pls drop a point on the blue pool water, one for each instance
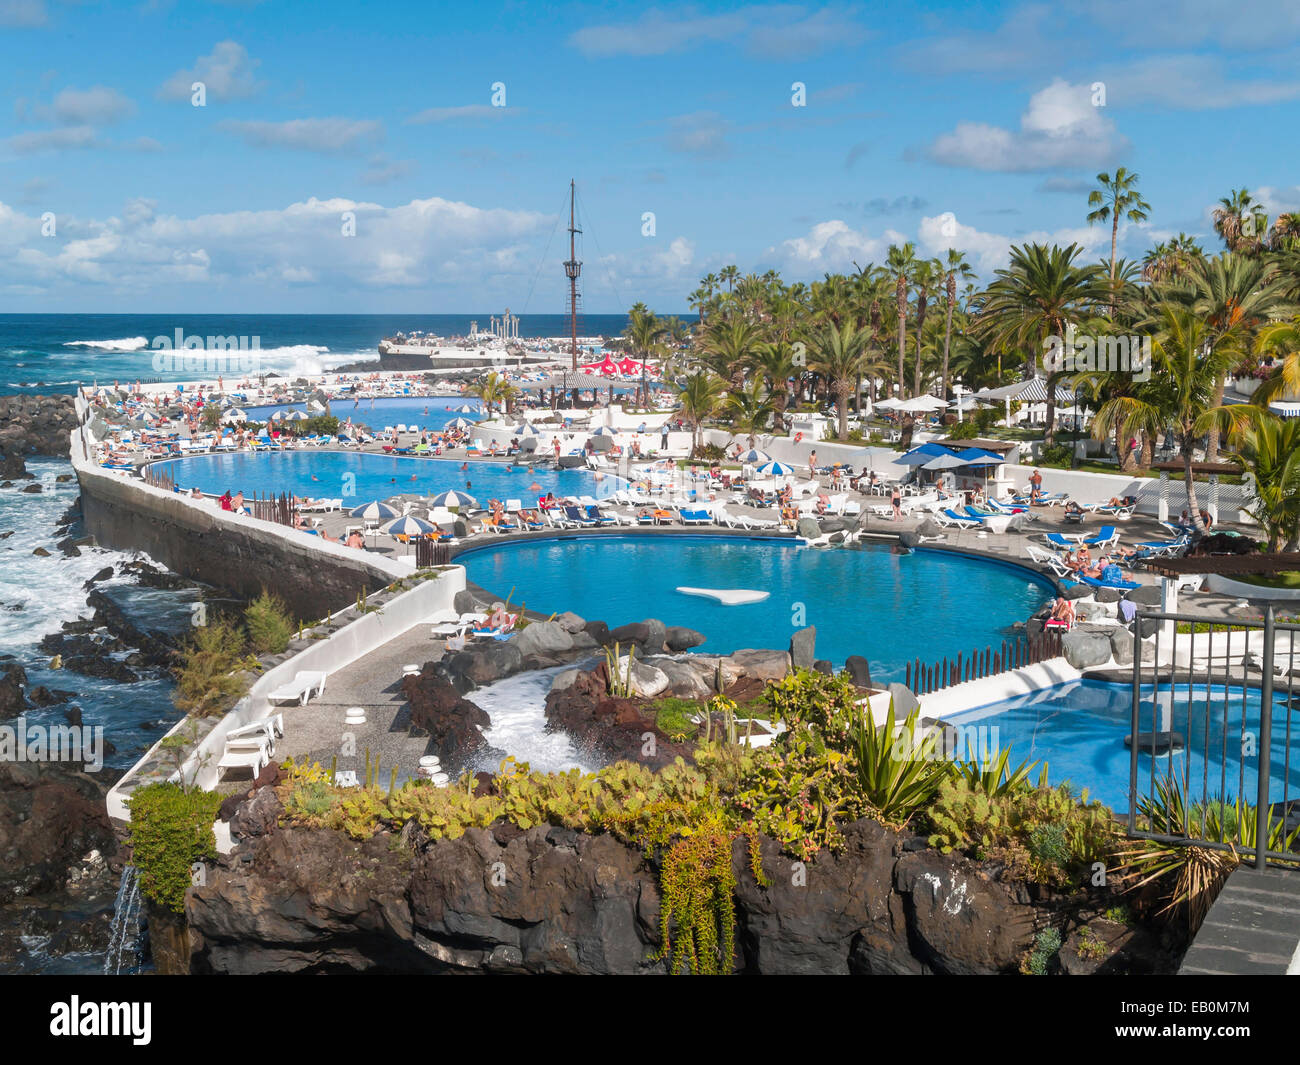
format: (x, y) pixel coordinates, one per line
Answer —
(889, 608)
(428, 412)
(362, 477)
(1079, 729)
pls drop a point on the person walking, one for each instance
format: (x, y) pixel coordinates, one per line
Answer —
(896, 501)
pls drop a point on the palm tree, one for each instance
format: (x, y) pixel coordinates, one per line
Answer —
(644, 333)
(1235, 294)
(729, 275)
(729, 346)
(1117, 196)
(1279, 340)
(495, 391)
(1171, 260)
(1285, 234)
(1268, 449)
(774, 360)
(1188, 362)
(956, 266)
(926, 273)
(900, 262)
(751, 409)
(1040, 293)
(837, 355)
(699, 399)
(1241, 222)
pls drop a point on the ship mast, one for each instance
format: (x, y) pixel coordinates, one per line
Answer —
(572, 268)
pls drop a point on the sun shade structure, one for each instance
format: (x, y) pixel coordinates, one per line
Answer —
(407, 525)
(775, 469)
(921, 454)
(451, 499)
(754, 457)
(373, 511)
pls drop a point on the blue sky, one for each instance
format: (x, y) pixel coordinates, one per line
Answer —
(966, 125)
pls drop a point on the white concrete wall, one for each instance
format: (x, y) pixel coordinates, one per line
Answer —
(353, 641)
(975, 693)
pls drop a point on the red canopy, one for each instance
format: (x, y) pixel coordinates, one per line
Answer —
(608, 368)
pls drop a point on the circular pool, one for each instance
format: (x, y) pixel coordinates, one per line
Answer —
(865, 600)
(362, 476)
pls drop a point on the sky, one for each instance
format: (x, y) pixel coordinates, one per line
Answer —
(416, 157)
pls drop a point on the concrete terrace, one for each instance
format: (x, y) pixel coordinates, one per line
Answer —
(1253, 928)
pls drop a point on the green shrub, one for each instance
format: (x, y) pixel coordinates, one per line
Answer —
(675, 718)
(171, 829)
(1046, 946)
(1056, 455)
(269, 626)
(208, 661)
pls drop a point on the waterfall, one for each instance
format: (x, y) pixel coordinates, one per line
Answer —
(124, 933)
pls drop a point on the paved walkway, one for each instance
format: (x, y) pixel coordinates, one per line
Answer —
(1253, 928)
(318, 732)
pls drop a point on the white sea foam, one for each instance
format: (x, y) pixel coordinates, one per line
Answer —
(517, 707)
(38, 594)
(125, 344)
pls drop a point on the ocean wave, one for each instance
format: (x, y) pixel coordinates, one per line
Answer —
(125, 344)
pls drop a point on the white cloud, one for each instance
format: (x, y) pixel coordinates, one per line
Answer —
(771, 31)
(23, 13)
(46, 140)
(1278, 201)
(702, 134)
(329, 136)
(448, 114)
(1059, 128)
(988, 252)
(97, 105)
(413, 245)
(1193, 83)
(227, 73)
(831, 247)
(381, 170)
(1002, 51)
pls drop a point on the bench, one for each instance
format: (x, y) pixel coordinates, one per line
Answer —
(300, 689)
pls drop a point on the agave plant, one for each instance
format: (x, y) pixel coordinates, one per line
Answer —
(996, 777)
(897, 774)
(1191, 875)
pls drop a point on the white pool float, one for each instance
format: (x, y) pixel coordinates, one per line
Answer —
(728, 596)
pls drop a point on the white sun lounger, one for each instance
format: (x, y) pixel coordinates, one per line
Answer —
(300, 689)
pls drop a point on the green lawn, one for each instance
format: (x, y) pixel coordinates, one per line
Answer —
(1285, 579)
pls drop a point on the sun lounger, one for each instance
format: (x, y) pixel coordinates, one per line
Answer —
(1061, 540)
(303, 686)
(1104, 537)
(695, 517)
(574, 516)
(1096, 583)
(1048, 559)
(947, 518)
(593, 512)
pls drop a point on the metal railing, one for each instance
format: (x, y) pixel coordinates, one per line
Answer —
(429, 554)
(1215, 727)
(926, 677)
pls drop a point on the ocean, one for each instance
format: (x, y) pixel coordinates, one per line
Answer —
(59, 352)
(39, 592)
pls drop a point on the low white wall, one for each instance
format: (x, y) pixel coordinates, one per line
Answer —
(353, 641)
(1216, 583)
(976, 693)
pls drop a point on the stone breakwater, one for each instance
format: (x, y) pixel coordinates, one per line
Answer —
(33, 425)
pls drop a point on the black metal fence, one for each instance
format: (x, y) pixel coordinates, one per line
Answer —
(1213, 756)
(272, 508)
(926, 677)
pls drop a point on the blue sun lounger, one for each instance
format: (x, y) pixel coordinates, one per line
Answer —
(948, 517)
(1096, 583)
(695, 517)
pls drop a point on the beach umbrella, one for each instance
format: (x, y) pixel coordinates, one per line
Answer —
(775, 469)
(373, 511)
(467, 408)
(447, 500)
(234, 414)
(604, 430)
(407, 525)
(462, 423)
(527, 429)
(753, 457)
(922, 454)
(298, 416)
(944, 462)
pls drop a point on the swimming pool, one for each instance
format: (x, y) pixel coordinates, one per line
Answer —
(428, 412)
(865, 600)
(1079, 728)
(356, 476)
